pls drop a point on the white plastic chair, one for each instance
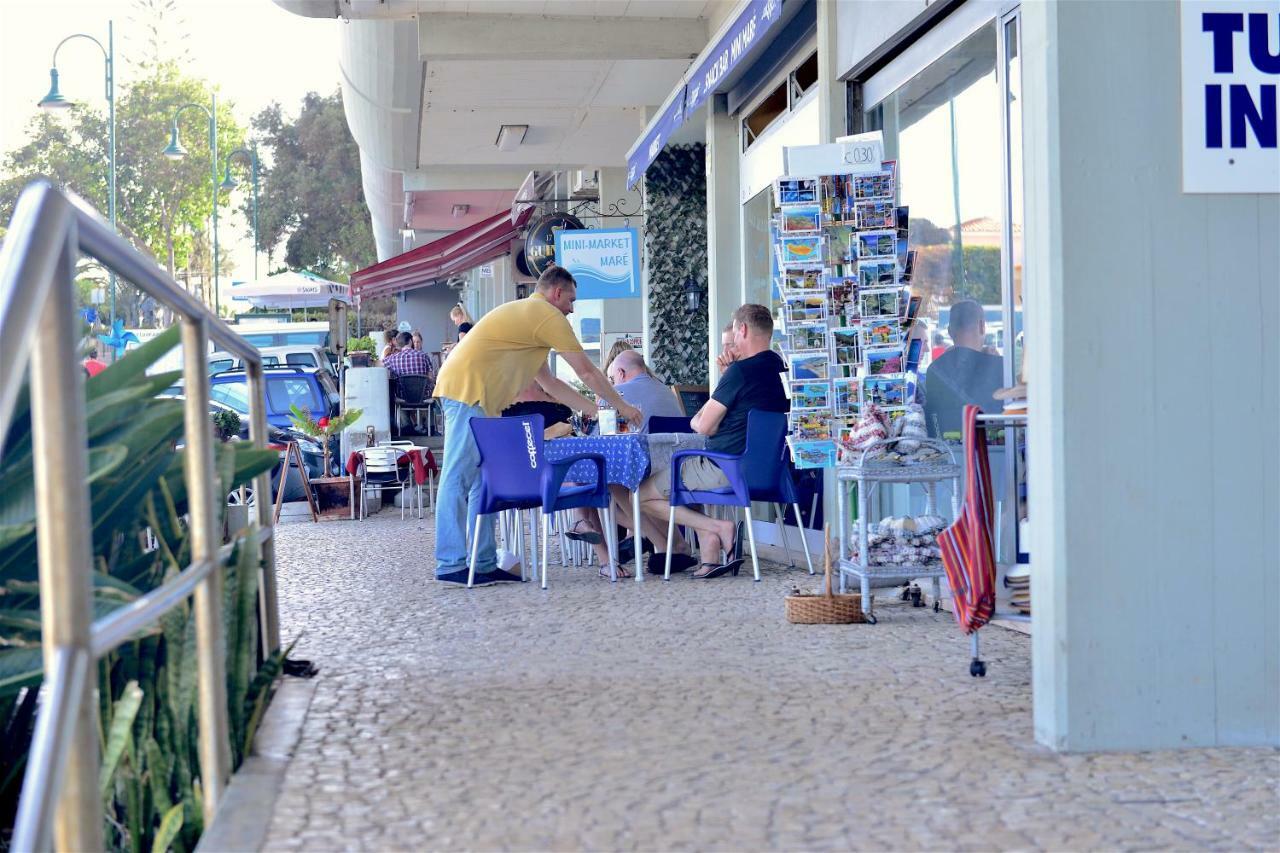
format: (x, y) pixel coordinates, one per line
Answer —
(381, 474)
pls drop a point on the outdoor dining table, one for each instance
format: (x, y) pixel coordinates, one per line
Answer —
(628, 458)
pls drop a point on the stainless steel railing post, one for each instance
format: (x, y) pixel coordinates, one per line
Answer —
(215, 749)
(64, 541)
(258, 433)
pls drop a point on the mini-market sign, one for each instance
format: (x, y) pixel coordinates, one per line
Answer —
(604, 261)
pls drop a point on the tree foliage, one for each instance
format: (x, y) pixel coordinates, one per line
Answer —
(310, 192)
(164, 207)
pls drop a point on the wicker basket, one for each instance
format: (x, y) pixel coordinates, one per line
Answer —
(829, 608)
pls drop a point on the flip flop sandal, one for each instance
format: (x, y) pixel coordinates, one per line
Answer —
(589, 536)
(623, 572)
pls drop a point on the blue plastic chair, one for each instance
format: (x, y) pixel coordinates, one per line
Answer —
(758, 473)
(659, 423)
(515, 475)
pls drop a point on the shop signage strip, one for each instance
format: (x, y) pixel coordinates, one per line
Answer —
(749, 29)
(604, 261)
(652, 143)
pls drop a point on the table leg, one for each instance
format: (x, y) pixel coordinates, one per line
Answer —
(863, 557)
(637, 535)
(842, 528)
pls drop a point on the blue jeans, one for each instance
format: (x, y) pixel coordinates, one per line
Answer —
(459, 494)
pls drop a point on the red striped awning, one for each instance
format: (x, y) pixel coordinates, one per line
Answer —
(455, 253)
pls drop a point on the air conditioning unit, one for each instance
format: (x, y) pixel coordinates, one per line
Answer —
(584, 183)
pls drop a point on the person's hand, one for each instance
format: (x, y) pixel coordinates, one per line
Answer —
(724, 360)
(631, 414)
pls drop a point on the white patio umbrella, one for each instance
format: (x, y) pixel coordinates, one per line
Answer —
(292, 289)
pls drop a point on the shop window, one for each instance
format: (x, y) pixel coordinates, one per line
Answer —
(804, 78)
(945, 126)
(774, 105)
(757, 248)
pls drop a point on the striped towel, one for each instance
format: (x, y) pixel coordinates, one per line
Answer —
(967, 555)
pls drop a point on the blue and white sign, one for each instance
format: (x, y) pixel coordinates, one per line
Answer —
(605, 261)
(651, 144)
(1230, 108)
(747, 31)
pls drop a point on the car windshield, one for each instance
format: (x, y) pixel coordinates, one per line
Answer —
(282, 392)
(286, 391)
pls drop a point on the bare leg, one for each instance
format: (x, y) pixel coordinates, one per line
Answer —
(711, 531)
(650, 528)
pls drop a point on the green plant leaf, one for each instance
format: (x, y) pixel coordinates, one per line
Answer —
(170, 826)
(125, 709)
(19, 667)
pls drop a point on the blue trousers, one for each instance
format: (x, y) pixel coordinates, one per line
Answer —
(459, 494)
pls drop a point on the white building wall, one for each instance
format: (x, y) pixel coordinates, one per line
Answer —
(1154, 377)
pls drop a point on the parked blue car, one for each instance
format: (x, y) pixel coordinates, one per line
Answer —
(309, 389)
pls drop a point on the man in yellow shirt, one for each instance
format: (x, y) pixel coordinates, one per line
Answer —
(504, 351)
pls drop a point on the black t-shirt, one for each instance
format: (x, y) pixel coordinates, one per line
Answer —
(750, 383)
(552, 413)
(956, 378)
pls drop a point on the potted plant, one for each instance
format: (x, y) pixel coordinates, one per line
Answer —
(226, 424)
(360, 351)
(330, 492)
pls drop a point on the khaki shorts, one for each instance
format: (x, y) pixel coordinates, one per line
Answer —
(699, 474)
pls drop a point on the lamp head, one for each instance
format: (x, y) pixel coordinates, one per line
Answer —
(174, 151)
(228, 182)
(54, 101)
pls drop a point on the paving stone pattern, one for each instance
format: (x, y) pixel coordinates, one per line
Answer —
(690, 716)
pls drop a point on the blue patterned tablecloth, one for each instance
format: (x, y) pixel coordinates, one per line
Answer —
(626, 456)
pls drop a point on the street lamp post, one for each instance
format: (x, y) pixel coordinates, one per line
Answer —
(54, 101)
(250, 156)
(175, 151)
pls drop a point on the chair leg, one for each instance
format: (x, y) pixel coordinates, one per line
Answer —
(671, 530)
(751, 534)
(804, 541)
(475, 550)
(610, 537)
(533, 552)
(560, 528)
(545, 539)
(403, 500)
(781, 527)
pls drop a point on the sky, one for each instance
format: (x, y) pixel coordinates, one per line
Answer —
(252, 50)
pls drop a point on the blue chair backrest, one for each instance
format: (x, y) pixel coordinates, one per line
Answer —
(511, 460)
(659, 423)
(763, 457)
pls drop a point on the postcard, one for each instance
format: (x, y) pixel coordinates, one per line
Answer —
(909, 268)
(796, 190)
(809, 365)
(840, 248)
(804, 306)
(878, 303)
(874, 185)
(846, 345)
(807, 336)
(881, 333)
(881, 273)
(800, 250)
(912, 312)
(800, 279)
(801, 218)
(844, 394)
(887, 392)
(883, 362)
(810, 425)
(877, 244)
(914, 350)
(810, 395)
(813, 454)
(874, 214)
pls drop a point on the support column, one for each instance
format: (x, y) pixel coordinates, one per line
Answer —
(621, 315)
(831, 90)
(724, 227)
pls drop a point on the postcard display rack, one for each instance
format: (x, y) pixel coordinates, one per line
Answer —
(845, 313)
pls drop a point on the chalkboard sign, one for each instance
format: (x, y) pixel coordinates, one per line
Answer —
(691, 397)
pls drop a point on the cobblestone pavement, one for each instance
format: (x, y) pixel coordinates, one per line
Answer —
(690, 716)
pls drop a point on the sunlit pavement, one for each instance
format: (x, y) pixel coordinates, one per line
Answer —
(689, 715)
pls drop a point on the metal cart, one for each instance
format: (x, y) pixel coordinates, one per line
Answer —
(869, 473)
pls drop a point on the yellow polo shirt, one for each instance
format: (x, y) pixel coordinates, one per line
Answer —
(503, 352)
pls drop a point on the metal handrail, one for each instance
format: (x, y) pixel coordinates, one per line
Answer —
(37, 272)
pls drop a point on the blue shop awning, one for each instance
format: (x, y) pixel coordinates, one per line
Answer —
(714, 70)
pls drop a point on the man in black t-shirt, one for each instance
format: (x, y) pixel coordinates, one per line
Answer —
(753, 381)
(965, 374)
